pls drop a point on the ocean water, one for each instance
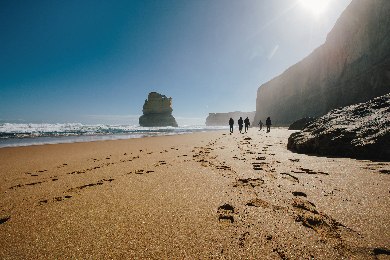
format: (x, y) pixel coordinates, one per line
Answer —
(14, 135)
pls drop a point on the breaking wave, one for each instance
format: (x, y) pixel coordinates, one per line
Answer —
(12, 135)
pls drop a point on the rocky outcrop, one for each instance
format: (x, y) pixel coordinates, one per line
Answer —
(157, 111)
(222, 119)
(351, 67)
(301, 123)
(357, 131)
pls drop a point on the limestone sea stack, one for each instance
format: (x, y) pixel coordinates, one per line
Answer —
(357, 131)
(352, 66)
(157, 111)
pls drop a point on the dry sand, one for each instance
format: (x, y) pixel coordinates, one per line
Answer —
(192, 196)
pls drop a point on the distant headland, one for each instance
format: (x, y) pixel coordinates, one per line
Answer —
(222, 119)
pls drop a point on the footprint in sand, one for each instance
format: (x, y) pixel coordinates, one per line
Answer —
(381, 251)
(307, 214)
(3, 220)
(55, 199)
(90, 185)
(258, 166)
(141, 171)
(243, 238)
(60, 198)
(258, 203)
(305, 205)
(248, 182)
(159, 163)
(27, 184)
(223, 167)
(226, 213)
(308, 171)
(289, 177)
(298, 193)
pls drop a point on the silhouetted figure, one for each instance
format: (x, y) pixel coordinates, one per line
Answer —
(231, 123)
(247, 123)
(268, 124)
(261, 125)
(240, 122)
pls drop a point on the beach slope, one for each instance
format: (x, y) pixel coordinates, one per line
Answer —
(191, 196)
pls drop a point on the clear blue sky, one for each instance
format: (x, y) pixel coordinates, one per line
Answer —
(93, 61)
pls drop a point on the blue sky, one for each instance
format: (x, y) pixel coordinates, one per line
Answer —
(92, 61)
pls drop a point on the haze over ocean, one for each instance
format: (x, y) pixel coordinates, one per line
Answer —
(94, 62)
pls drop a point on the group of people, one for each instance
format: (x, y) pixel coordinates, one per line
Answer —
(267, 123)
(247, 124)
(240, 124)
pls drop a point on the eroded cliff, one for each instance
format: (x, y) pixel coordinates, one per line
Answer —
(352, 66)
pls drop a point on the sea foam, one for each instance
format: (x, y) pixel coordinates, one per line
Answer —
(12, 135)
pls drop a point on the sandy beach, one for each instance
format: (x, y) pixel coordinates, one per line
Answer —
(207, 195)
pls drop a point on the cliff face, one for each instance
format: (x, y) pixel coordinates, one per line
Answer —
(352, 66)
(157, 111)
(222, 119)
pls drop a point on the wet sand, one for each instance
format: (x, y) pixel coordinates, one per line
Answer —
(193, 196)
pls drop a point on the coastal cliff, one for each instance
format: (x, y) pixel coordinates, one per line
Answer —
(352, 66)
(222, 119)
(157, 111)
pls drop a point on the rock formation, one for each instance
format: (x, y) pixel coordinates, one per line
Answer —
(352, 66)
(222, 119)
(357, 131)
(301, 123)
(157, 111)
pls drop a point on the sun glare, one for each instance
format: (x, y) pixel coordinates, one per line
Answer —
(315, 6)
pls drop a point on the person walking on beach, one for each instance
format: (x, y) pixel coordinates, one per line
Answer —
(261, 125)
(231, 123)
(247, 123)
(268, 124)
(240, 122)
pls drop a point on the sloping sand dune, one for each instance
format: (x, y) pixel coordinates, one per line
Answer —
(193, 196)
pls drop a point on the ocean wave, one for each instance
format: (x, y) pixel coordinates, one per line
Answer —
(12, 134)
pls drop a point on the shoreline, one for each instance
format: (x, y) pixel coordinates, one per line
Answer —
(38, 138)
(199, 195)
